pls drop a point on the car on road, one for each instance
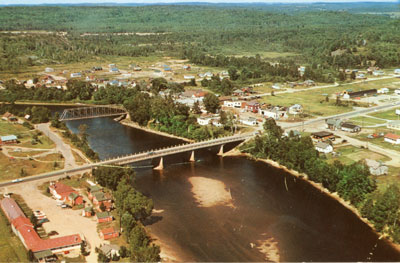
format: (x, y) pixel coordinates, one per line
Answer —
(151, 153)
(16, 180)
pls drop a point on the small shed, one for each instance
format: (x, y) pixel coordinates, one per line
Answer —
(8, 139)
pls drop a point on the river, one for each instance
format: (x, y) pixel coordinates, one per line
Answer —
(301, 223)
(298, 222)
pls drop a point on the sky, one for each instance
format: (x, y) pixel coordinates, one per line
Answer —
(8, 2)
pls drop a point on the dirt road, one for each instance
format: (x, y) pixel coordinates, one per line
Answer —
(62, 147)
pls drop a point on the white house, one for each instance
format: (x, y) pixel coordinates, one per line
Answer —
(361, 76)
(397, 111)
(189, 77)
(378, 73)
(275, 113)
(276, 86)
(383, 90)
(392, 138)
(394, 124)
(295, 109)
(233, 103)
(76, 75)
(323, 147)
(210, 119)
(397, 72)
(48, 70)
(249, 121)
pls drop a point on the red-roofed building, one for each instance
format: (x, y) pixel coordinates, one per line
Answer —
(65, 193)
(24, 229)
(11, 209)
(252, 106)
(108, 233)
(392, 138)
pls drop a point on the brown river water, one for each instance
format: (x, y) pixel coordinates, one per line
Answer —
(270, 215)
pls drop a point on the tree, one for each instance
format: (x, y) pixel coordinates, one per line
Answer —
(342, 76)
(211, 103)
(355, 183)
(139, 108)
(353, 75)
(83, 131)
(127, 222)
(196, 108)
(123, 252)
(233, 73)
(192, 83)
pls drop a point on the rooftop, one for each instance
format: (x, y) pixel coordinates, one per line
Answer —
(11, 209)
(101, 215)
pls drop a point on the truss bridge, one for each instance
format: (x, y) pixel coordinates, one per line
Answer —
(92, 112)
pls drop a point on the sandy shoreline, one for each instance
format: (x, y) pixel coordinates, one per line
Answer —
(235, 152)
(210, 192)
(137, 126)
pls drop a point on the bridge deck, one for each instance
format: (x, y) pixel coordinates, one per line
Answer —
(91, 112)
(138, 157)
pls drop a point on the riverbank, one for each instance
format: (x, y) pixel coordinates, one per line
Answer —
(146, 129)
(301, 176)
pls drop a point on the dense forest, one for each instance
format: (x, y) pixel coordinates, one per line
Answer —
(309, 34)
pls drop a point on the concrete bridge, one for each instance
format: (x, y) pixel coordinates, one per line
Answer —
(143, 156)
(92, 112)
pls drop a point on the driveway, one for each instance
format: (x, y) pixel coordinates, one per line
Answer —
(62, 147)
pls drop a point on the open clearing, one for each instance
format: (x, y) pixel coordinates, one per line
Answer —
(351, 154)
(366, 121)
(388, 115)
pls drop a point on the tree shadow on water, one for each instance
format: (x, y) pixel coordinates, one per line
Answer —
(152, 220)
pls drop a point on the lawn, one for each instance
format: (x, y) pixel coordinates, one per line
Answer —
(388, 115)
(11, 168)
(379, 141)
(11, 248)
(351, 154)
(25, 135)
(313, 101)
(366, 121)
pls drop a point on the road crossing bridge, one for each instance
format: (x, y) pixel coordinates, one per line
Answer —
(143, 156)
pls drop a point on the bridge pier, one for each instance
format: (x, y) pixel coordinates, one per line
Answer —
(192, 157)
(221, 151)
(160, 165)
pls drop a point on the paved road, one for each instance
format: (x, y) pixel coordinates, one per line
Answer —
(62, 147)
(132, 158)
(319, 87)
(342, 115)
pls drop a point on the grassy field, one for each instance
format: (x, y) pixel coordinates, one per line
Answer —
(388, 115)
(351, 154)
(11, 168)
(11, 248)
(25, 135)
(313, 101)
(365, 121)
(379, 141)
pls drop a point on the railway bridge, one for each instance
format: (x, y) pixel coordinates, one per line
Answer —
(92, 112)
(143, 156)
